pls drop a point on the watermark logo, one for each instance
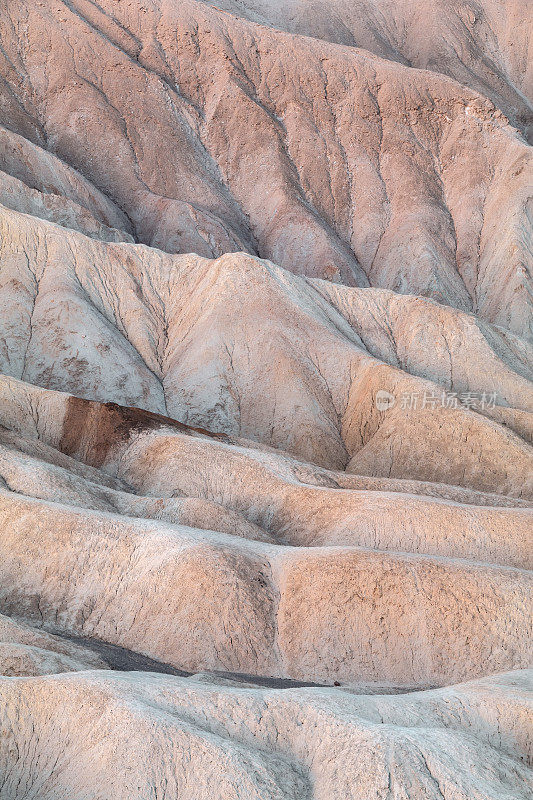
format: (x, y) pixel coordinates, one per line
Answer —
(412, 401)
(384, 400)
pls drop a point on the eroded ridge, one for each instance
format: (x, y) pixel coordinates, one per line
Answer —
(328, 160)
(266, 474)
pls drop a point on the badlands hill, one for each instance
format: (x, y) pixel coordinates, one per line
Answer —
(266, 400)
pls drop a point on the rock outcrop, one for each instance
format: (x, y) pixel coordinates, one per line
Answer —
(190, 738)
(266, 404)
(325, 159)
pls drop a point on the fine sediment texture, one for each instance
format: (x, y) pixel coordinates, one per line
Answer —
(266, 405)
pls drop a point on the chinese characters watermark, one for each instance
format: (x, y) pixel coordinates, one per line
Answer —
(412, 401)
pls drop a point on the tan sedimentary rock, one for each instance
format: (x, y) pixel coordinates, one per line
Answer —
(242, 347)
(337, 164)
(18, 196)
(486, 45)
(148, 734)
(266, 410)
(27, 652)
(296, 574)
(37, 182)
(199, 600)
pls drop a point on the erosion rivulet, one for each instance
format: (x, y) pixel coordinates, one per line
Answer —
(266, 475)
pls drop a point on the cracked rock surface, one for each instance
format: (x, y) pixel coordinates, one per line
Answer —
(266, 400)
